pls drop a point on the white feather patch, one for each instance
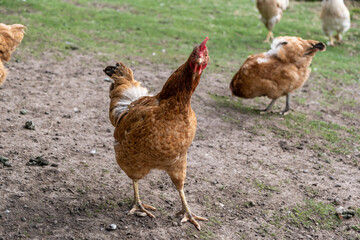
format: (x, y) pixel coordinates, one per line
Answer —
(262, 60)
(275, 46)
(130, 95)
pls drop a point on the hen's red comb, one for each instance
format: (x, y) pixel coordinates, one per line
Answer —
(203, 44)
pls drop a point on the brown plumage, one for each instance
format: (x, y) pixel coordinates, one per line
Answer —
(155, 132)
(271, 12)
(278, 72)
(10, 38)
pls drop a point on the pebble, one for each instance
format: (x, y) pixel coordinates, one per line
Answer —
(111, 227)
(29, 125)
(141, 214)
(6, 164)
(337, 185)
(107, 79)
(306, 171)
(38, 161)
(76, 110)
(23, 112)
(92, 152)
(175, 224)
(54, 165)
(331, 178)
(23, 219)
(7, 211)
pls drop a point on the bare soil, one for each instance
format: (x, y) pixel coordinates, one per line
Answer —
(238, 178)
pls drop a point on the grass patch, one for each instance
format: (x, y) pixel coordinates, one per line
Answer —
(311, 214)
(158, 30)
(262, 186)
(339, 139)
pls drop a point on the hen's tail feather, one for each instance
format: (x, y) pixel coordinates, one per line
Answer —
(123, 91)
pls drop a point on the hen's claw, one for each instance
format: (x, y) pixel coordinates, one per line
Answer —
(188, 216)
(142, 208)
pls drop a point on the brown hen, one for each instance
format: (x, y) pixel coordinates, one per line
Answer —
(10, 38)
(278, 72)
(155, 132)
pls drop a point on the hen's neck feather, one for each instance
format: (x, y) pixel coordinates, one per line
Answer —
(180, 86)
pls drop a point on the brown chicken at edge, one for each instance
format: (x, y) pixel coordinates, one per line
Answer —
(278, 72)
(155, 132)
(10, 38)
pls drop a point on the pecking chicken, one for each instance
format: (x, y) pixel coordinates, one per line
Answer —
(271, 12)
(278, 72)
(10, 38)
(335, 18)
(155, 132)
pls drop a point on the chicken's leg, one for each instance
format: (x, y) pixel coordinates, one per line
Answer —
(269, 35)
(338, 37)
(138, 206)
(268, 108)
(178, 177)
(331, 41)
(287, 107)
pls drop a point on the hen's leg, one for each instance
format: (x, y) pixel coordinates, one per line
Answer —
(138, 206)
(178, 177)
(268, 108)
(332, 41)
(338, 37)
(269, 35)
(287, 107)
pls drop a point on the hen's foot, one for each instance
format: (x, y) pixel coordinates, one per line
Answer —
(284, 112)
(139, 207)
(188, 216)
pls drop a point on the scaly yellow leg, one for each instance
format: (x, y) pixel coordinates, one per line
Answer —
(138, 206)
(188, 216)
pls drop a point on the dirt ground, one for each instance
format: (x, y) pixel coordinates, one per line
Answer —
(238, 179)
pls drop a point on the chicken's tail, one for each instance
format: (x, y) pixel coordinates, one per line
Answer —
(123, 91)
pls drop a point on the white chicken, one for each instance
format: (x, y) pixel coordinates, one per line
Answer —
(335, 19)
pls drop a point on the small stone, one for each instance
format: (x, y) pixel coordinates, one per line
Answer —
(306, 171)
(111, 227)
(141, 214)
(3, 159)
(76, 110)
(175, 224)
(7, 211)
(107, 79)
(23, 219)
(337, 185)
(6, 164)
(337, 201)
(221, 205)
(54, 165)
(331, 178)
(92, 152)
(38, 161)
(23, 112)
(29, 125)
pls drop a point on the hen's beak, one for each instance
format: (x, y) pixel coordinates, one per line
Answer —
(198, 65)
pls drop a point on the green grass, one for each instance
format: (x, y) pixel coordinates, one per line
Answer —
(141, 28)
(310, 214)
(339, 139)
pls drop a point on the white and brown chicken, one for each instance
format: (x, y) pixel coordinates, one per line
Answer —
(271, 12)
